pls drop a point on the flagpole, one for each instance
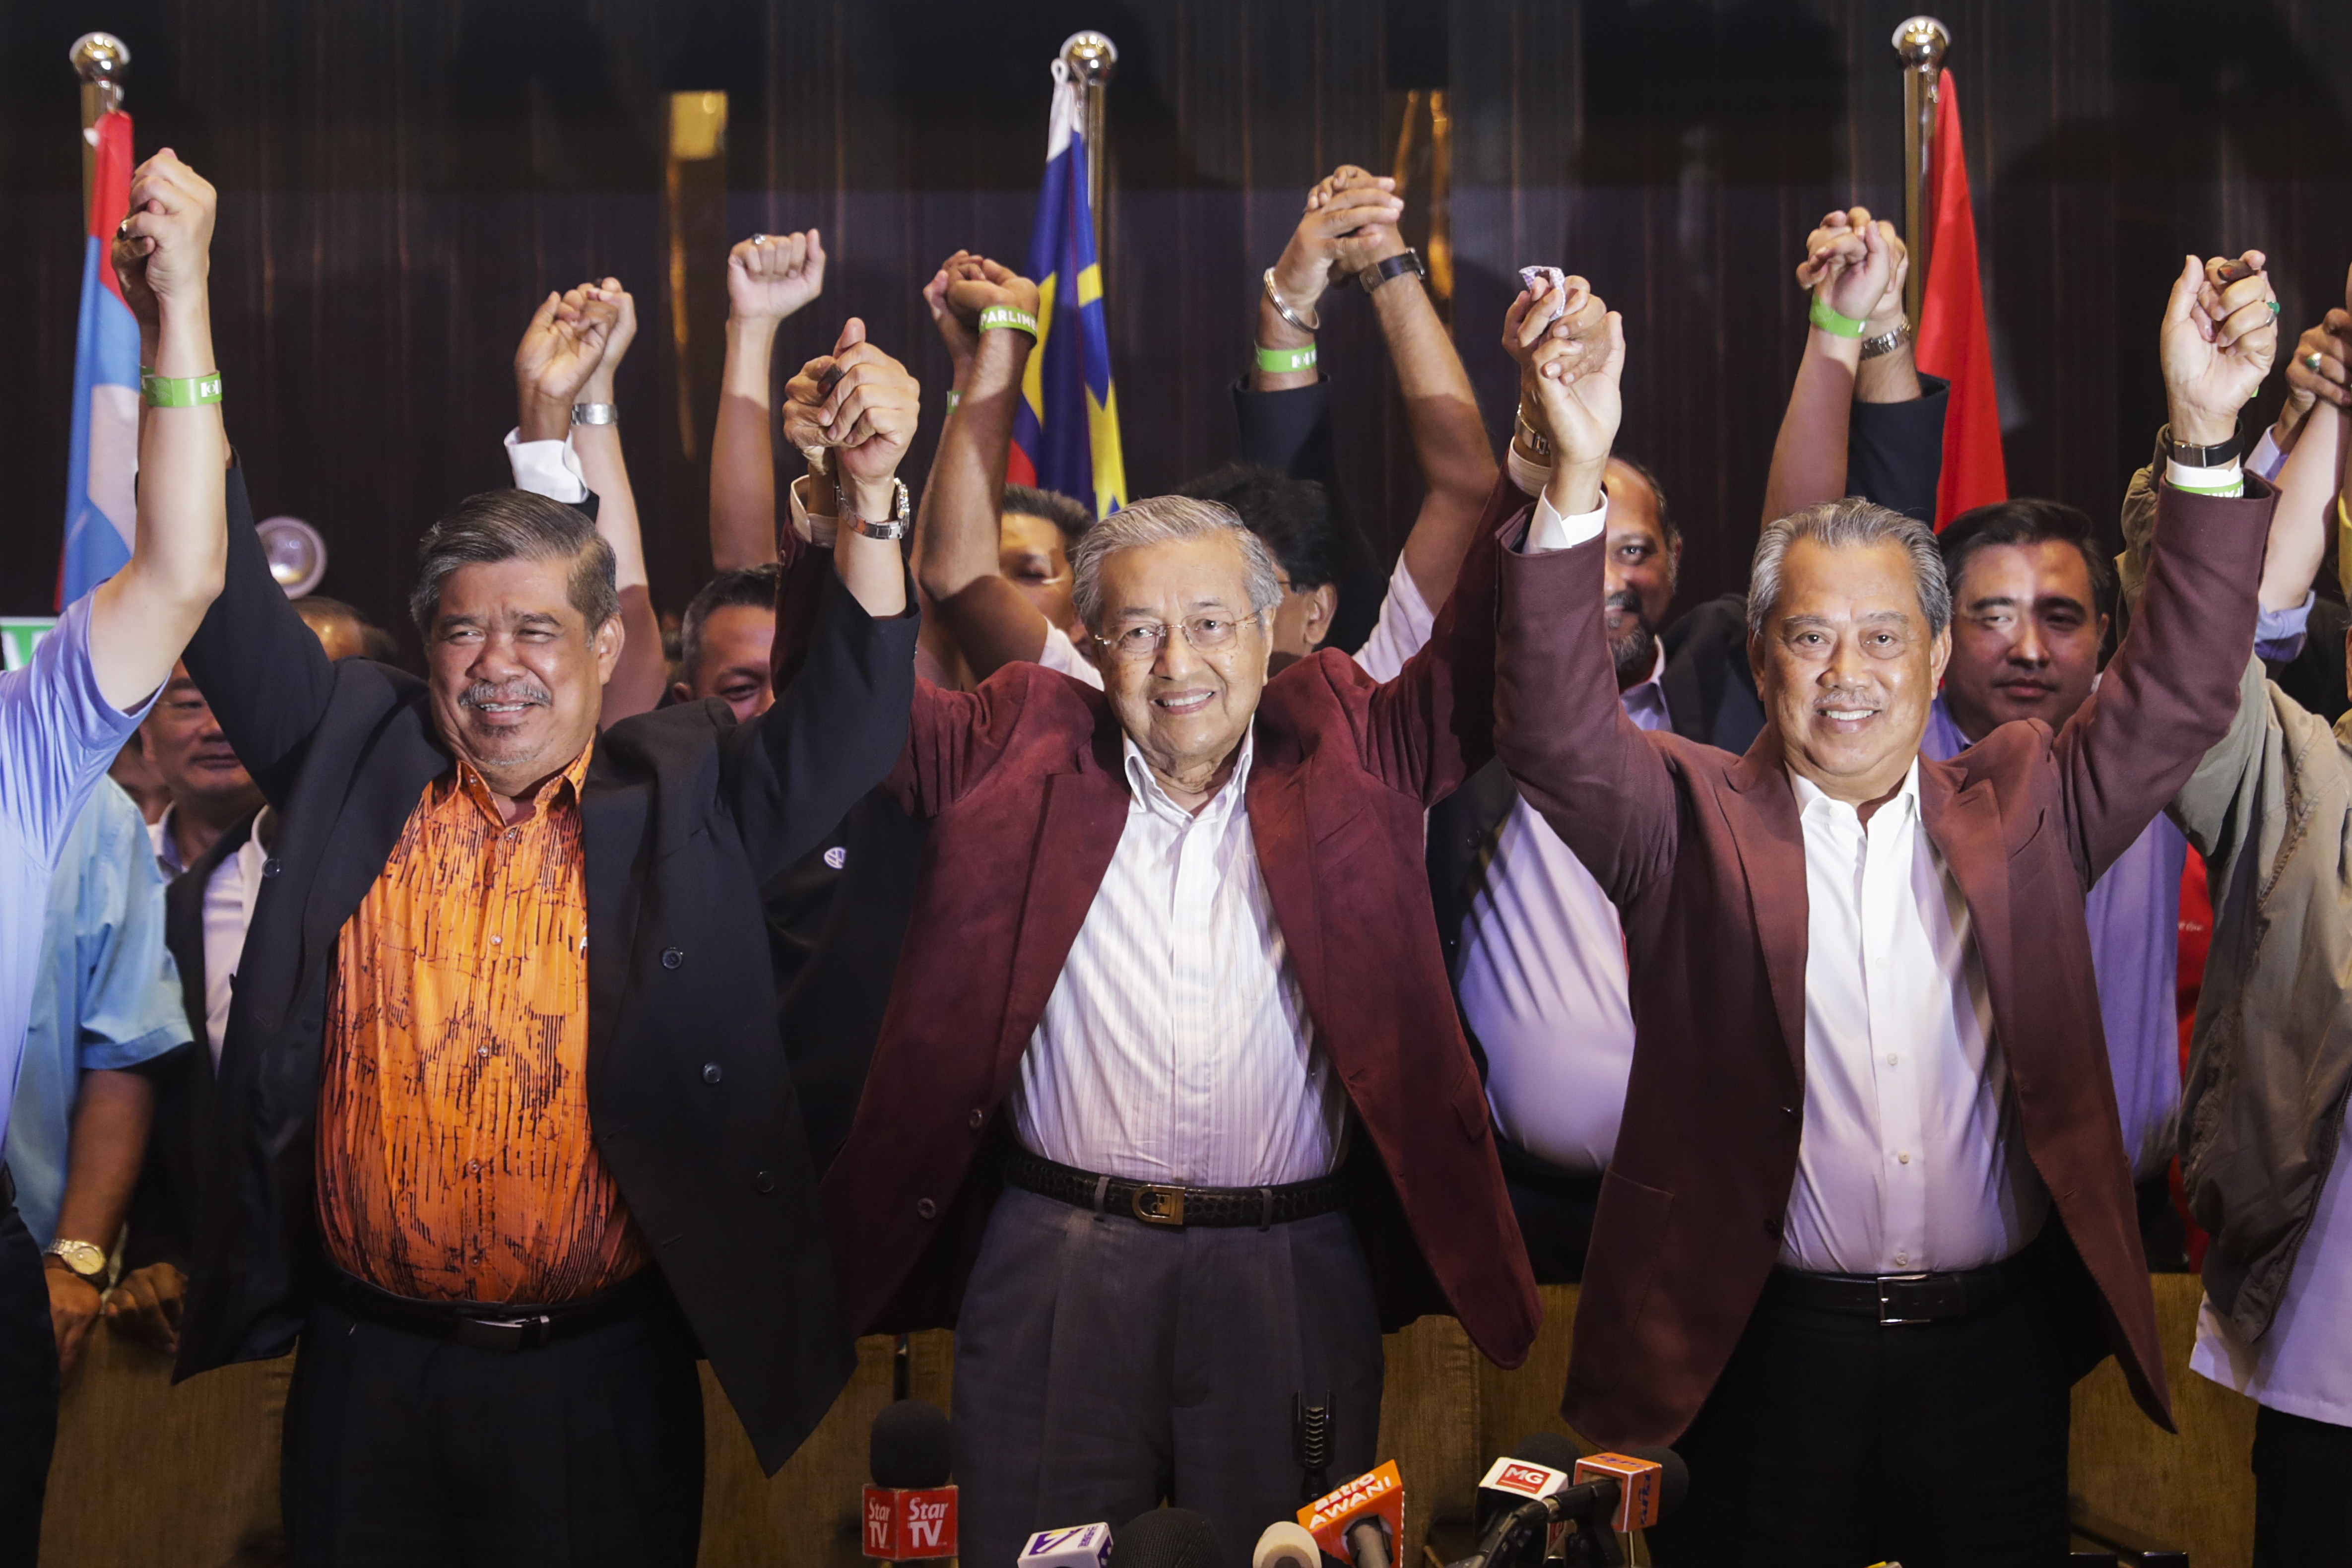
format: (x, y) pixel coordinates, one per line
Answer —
(100, 59)
(1090, 58)
(1921, 43)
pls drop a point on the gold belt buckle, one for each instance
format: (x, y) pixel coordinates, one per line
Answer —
(1158, 1206)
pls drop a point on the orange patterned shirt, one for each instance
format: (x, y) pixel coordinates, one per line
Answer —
(455, 1161)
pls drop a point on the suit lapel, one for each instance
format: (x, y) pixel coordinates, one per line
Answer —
(1084, 814)
(613, 815)
(1964, 824)
(1761, 812)
(1280, 832)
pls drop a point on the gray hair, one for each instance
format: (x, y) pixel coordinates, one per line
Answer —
(511, 525)
(1167, 519)
(1848, 524)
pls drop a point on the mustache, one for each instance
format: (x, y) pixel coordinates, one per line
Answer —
(484, 691)
(1627, 602)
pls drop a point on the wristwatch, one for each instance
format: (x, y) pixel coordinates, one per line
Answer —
(85, 1259)
(894, 526)
(595, 413)
(1537, 442)
(2220, 455)
(1887, 341)
(1397, 266)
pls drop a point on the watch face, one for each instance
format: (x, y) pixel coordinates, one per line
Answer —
(83, 1258)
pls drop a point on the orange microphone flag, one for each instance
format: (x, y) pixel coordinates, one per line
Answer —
(1953, 342)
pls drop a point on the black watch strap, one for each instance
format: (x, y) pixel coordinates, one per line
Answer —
(2220, 455)
(1397, 266)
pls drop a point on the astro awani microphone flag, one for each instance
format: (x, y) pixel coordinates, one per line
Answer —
(103, 467)
(1065, 432)
(1953, 342)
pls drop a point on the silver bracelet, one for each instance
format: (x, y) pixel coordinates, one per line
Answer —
(1537, 442)
(894, 526)
(1282, 307)
(1886, 342)
(595, 413)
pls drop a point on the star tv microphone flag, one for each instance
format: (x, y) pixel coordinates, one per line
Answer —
(103, 467)
(1953, 342)
(1066, 430)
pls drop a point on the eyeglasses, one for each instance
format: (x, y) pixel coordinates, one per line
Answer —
(1205, 634)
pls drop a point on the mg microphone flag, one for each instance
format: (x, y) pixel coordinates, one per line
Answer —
(102, 469)
(1066, 430)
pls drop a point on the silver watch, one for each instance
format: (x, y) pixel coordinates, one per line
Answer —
(1887, 341)
(85, 1259)
(1538, 442)
(595, 413)
(894, 526)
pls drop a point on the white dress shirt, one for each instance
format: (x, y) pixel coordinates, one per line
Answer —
(229, 894)
(1905, 1163)
(1541, 975)
(1176, 1046)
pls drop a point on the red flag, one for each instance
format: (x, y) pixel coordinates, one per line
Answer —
(1953, 342)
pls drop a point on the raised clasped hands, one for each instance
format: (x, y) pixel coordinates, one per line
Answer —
(560, 350)
(861, 407)
(2320, 371)
(1570, 361)
(605, 298)
(2219, 336)
(162, 250)
(965, 285)
(769, 275)
(1348, 223)
(1857, 266)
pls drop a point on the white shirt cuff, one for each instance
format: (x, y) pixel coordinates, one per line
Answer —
(2227, 480)
(549, 469)
(1552, 532)
(2267, 459)
(1525, 472)
(816, 528)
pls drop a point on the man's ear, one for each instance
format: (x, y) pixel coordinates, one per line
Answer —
(679, 692)
(606, 645)
(1939, 656)
(1322, 604)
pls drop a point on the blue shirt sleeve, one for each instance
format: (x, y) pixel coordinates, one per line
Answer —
(57, 734)
(131, 1010)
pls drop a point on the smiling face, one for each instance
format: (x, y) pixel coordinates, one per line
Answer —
(731, 660)
(1847, 667)
(2026, 634)
(518, 673)
(190, 755)
(1640, 582)
(1032, 555)
(1186, 710)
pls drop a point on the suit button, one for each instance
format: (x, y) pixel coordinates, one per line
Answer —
(764, 1182)
(271, 867)
(977, 1119)
(1772, 1228)
(926, 1209)
(672, 957)
(710, 1073)
(1789, 1112)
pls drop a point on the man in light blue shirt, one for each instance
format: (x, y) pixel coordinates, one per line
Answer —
(64, 716)
(106, 999)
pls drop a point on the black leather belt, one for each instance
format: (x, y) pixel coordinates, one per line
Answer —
(491, 1325)
(1174, 1206)
(1897, 1298)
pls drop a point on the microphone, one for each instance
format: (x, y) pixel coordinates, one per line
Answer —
(1602, 1495)
(1167, 1538)
(1079, 1546)
(1287, 1545)
(1360, 1522)
(910, 1513)
(1540, 1466)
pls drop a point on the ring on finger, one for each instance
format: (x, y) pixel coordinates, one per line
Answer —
(759, 239)
(2311, 359)
(2276, 308)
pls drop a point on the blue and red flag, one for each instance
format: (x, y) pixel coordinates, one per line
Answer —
(101, 476)
(1065, 432)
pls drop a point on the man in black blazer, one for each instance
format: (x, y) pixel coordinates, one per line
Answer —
(431, 1163)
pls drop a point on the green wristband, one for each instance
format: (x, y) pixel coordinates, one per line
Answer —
(1279, 362)
(1832, 322)
(180, 391)
(954, 397)
(1007, 316)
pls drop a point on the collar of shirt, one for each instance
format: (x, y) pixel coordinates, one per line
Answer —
(1645, 699)
(167, 847)
(558, 789)
(1814, 805)
(1150, 797)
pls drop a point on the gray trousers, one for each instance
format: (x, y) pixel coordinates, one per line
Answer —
(1104, 1365)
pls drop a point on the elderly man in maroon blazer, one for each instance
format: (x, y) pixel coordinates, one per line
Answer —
(1870, 1193)
(1170, 1113)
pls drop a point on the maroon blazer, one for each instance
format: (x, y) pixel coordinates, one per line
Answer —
(1024, 782)
(1703, 853)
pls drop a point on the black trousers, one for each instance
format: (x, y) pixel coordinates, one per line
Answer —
(1103, 1364)
(1833, 1442)
(28, 1387)
(2302, 1490)
(1554, 1207)
(405, 1450)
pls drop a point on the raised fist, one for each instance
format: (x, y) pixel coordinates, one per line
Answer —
(856, 402)
(1574, 381)
(2219, 335)
(162, 250)
(607, 298)
(562, 346)
(1535, 319)
(1857, 265)
(769, 275)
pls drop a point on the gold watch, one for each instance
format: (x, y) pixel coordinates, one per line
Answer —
(87, 1260)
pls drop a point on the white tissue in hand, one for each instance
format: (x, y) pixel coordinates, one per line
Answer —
(1538, 278)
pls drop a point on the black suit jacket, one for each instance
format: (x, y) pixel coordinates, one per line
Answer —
(684, 815)
(1894, 456)
(163, 1205)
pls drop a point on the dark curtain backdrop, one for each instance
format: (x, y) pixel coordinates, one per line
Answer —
(402, 181)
